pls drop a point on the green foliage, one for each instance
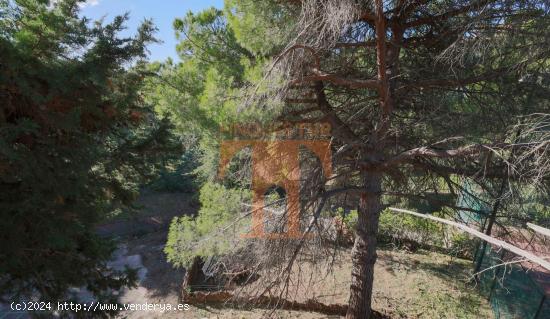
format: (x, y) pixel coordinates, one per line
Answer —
(178, 179)
(538, 212)
(200, 94)
(76, 141)
(403, 227)
(542, 216)
(251, 31)
(213, 229)
(223, 53)
(203, 91)
(463, 245)
(349, 219)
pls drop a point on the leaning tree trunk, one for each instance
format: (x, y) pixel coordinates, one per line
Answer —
(363, 254)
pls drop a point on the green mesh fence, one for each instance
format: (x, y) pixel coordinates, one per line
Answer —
(510, 289)
(467, 199)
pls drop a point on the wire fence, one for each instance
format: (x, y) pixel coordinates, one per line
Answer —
(509, 287)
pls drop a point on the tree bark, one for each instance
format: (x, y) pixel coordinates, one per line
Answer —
(363, 254)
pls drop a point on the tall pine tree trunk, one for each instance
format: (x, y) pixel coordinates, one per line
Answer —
(364, 249)
(363, 255)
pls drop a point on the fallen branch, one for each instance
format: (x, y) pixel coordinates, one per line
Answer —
(511, 262)
(223, 297)
(539, 229)
(497, 242)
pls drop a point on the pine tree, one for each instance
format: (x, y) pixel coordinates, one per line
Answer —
(422, 96)
(76, 140)
(419, 93)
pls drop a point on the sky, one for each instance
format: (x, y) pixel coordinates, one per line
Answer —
(163, 13)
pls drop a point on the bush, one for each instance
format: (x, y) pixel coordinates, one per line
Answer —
(349, 219)
(400, 228)
(212, 232)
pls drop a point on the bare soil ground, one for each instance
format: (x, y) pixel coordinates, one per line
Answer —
(407, 285)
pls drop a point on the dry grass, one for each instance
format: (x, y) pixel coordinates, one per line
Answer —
(407, 285)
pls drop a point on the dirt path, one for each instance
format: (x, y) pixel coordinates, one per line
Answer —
(142, 238)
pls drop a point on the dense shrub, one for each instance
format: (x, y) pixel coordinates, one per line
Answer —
(402, 227)
(414, 232)
(212, 232)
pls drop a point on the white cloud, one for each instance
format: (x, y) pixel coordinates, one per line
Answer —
(89, 3)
